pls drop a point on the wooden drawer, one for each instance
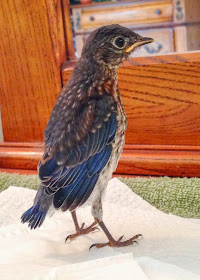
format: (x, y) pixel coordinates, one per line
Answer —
(128, 14)
(164, 42)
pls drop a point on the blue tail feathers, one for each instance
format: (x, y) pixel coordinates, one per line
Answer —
(34, 216)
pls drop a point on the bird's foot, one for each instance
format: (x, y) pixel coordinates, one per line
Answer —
(117, 243)
(81, 230)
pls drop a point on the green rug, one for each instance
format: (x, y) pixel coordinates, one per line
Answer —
(178, 196)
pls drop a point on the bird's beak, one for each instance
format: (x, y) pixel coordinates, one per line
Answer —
(139, 42)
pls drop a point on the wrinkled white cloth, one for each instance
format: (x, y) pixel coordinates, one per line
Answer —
(169, 249)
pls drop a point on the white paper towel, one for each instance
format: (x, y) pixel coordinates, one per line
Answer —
(170, 247)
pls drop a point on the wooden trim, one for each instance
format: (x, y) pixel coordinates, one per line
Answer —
(160, 163)
(14, 156)
(108, 3)
(68, 30)
(19, 171)
(162, 148)
(173, 58)
(147, 160)
(180, 34)
(187, 57)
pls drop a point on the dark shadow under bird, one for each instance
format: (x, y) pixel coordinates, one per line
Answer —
(85, 134)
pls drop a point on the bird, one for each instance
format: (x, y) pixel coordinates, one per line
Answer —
(85, 134)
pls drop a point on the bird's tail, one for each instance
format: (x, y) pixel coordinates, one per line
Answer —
(35, 216)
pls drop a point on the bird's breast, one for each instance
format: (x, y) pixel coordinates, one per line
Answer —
(119, 140)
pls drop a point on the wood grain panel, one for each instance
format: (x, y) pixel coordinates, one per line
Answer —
(32, 48)
(162, 99)
(154, 160)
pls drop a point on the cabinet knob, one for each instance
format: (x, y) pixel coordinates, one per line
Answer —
(158, 12)
(92, 18)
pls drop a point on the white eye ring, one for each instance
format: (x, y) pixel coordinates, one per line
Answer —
(119, 42)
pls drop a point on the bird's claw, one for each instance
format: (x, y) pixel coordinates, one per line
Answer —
(93, 245)
(118, 243)
(68, 237)
(120, 238)
(83, 224)
(94, 229)
(81, 231)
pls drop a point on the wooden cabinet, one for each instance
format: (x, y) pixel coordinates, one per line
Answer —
(174, 24)
(187, 25)
(127, 13)
(163, 44)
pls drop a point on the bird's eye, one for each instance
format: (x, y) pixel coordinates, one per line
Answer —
(119, 42)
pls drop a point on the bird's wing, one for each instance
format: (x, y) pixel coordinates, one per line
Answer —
(71, 173)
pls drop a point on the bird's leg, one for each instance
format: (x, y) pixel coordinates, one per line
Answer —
(112, 242)
(97, 212)
(80, 230)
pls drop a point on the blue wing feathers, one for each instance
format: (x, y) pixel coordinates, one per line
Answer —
(96, 141)
(84, 192)
(113, 128)
(77, 182)
(73, 157)
(71, 184)
(80, 188)
(70, 176)
(106, 135)
(70, 198)
(62, 194)
(101, 136)
(98, 162)
(91, 144)
(44, 172)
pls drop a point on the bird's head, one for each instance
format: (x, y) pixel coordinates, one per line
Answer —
(111, 44)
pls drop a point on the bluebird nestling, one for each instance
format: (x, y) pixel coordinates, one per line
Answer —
(85, 134)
